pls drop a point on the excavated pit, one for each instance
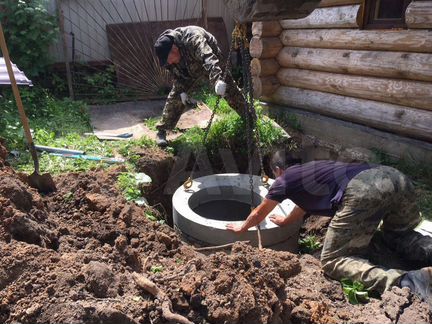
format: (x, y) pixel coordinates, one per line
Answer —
(103, 240)
(228, 210)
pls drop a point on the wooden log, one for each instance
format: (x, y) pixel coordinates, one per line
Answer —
(419, 41)
(411, 122)
(336, 17)
(266, 28)
(334, 3)
(406, 93)
(396, 65)
(419, 14)
(267, 47)
(264, 86)
(265, 67)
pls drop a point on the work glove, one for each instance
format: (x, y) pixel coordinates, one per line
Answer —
(220, 88)
(184, 98)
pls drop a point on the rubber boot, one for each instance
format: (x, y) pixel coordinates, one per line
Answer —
(420, 283)
(161, 138)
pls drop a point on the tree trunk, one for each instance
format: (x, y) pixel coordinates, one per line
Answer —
(264, 86)
(394, 65)
(336, 17)
(333, 3)
(419, 14)
(265, 67)
(419, 41)
(407, 121)
(267, 47)
(406, 93)
(266, 29)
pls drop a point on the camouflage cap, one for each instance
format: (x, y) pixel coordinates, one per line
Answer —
(163, 47)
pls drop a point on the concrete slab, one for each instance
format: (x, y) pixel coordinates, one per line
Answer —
(128, 117)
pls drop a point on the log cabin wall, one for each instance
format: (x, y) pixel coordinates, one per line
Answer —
(328, 64)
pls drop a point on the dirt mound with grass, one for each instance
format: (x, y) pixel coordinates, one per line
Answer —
(85, 255)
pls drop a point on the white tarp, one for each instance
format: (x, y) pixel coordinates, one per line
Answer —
(20, 77)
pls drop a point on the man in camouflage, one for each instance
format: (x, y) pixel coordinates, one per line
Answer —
(368, 204)
(192, 56)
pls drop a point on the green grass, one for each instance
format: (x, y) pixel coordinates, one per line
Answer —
(151, 123)
(229, 132)
(156, 269)
(58, 123)
(420, 174)
(309, 244)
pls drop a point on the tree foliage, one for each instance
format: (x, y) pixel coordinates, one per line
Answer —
(29, 31)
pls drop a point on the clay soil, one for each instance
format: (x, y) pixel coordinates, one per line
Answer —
(70, 257)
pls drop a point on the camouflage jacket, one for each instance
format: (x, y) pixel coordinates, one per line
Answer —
(200, 56)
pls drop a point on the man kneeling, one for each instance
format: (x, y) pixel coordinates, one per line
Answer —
(359, 197)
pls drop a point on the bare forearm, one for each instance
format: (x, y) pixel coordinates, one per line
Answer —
(253, 219)
(296, 215)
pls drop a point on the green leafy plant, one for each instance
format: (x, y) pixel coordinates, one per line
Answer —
(29, 31)
(309, 244)
(229, 132)
(102, 84)
(151, 216)
(156, 269)
(151, 123)
(128, 185)
(68, 197)
(355, 291)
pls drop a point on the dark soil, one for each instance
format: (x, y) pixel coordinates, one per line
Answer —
(69, 257)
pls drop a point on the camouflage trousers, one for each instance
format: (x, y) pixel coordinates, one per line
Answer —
(174, 107)
(383, 198)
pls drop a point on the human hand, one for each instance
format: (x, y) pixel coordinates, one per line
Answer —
(220, 88)
(184, 98)
(277, 219)
(235, 228)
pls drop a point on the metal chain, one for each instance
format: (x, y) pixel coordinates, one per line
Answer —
(256, 132)
(251, 125)
(249, 128)
(188, 182)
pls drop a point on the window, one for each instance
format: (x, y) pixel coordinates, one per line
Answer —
(383, 14)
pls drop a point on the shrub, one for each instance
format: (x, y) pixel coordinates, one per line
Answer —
(29, 31)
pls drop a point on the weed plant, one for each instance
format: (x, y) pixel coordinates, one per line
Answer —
(309, 244)
(57, 123)
(355, 291)
(228, 131)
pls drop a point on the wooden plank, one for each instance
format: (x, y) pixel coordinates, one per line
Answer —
(406, 93)
(396, 65)
(334, 17)
(264, 67)
(266, 28)
(333, 3)
(267, 47)
(419, 41)
(419, 14)
(415, 123)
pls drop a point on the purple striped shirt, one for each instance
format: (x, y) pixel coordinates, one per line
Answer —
(317, 187)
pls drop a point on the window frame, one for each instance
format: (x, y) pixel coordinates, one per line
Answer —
(370, 22)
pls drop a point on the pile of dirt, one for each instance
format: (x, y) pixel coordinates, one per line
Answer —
(73, 257)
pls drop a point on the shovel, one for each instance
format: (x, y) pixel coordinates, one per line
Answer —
(44, 183)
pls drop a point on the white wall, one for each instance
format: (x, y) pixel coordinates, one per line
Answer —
(87, 20)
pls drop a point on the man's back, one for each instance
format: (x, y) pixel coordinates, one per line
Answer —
(197, 47)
